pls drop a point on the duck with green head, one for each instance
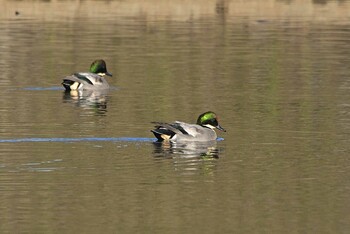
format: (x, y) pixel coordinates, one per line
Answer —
(92, 80)
(178, 131)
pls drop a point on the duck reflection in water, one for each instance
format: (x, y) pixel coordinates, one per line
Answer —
(88, 99)
(187, 149)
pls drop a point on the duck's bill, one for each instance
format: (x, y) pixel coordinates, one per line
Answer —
(220, 128)
(108, 74)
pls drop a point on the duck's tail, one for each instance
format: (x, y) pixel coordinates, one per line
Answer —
(70, 85)
(163, 132)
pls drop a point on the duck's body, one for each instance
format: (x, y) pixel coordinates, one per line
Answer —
(185, 132)
(93, 80)
(85, 81)
(180, 131)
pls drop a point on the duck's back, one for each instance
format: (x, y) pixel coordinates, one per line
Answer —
(85, 81)
(194, 132)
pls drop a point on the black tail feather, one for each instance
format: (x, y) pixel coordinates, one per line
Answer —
(161, 133)
(67, 83)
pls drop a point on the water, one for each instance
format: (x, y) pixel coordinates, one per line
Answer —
(277, 74)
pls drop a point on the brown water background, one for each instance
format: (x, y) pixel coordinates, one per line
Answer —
(276, 72)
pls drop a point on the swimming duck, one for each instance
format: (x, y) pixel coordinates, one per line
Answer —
(180, 131)
(93, 80)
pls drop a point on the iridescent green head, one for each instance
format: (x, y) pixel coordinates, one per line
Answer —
(210, 120)
(99, 67)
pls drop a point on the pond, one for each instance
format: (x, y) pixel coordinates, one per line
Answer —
(277, 73)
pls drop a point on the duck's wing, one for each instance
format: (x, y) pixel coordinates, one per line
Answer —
(198, 133)
(81, 78)
(191, 129)
(90, 78)
(84, 80)
(165, 131)
(76, 78)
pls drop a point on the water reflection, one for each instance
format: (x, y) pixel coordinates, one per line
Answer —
(187, 150)
(190, 159)
(42, 166)
(277, 70)
(88, 99)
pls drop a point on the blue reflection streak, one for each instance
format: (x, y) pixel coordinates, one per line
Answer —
(43, 88)
(63, 139)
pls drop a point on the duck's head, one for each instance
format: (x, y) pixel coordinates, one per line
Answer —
(99, 67)
(210, 120)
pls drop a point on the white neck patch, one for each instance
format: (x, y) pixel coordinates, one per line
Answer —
(209, 126)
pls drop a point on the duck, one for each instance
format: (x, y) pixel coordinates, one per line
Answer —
(202, 131)
(92, 80)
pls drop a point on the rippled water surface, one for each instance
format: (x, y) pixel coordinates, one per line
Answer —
(277, 73)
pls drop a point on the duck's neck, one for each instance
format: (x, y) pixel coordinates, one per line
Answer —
(208, 126)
